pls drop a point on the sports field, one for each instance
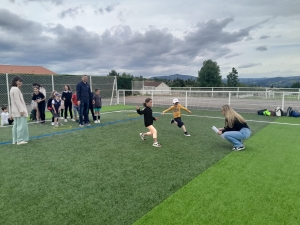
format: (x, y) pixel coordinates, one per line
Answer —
(105, 173)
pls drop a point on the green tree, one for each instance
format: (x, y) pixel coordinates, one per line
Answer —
(113, 73)
(209, 74)
(232, 78)
(296, 85)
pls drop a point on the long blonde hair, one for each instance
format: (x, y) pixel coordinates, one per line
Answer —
(53, 94)
(231, 115)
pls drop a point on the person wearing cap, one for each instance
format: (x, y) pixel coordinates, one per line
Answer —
(177, 115)
(56, 106)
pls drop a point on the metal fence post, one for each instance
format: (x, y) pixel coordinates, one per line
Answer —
(8, 95)
(282, 103)
(91, 85)
(124, 97)
(52, 82)
(229, 96)
(212, 92)
(186, 96)
(152, 97)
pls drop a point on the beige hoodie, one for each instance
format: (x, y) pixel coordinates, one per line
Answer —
(17, 103)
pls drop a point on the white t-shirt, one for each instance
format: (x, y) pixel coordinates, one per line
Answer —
(4, 118)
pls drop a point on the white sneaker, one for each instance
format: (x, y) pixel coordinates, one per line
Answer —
(156, 144)
(142, 136)
(66, 120)
(52, 123)
(21, 142)
(98, 121)
(72, 119)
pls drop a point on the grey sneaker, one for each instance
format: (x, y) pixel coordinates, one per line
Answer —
(81, 125)
(156, 144)
(142, 136)
(88, 124)
(238, 148)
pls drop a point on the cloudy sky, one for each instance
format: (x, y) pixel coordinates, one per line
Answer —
(260, 38)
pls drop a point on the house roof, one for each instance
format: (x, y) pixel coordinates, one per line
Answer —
(12, 69)
(152, 84)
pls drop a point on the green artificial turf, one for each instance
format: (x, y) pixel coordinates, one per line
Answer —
(256, 186)
(105, 174)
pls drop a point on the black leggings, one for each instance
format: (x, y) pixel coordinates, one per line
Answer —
(68, 104)
(92, 110)
(41, 107)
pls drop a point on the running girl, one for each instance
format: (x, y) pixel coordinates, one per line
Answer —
(148, 121)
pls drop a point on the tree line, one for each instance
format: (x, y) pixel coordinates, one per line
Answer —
(208, 76)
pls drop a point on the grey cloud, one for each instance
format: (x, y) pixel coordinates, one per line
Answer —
(99, 10)
(111, 7)
(248, 39)
(232, 55)
(12, 1)
(261, 48)
(56, 2)
(264, 37)
(118, 47)
(11, 22)
(278, 36)
(247, 65)
(71, 12)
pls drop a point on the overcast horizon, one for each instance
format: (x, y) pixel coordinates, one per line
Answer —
(152, 38)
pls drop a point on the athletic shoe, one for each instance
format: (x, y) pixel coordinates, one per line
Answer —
(88, 124)
(56, 125)
(66, 120)
(60, 124)
(142, 136)
(156, 144)
(52, 123)
(172, 121)
(72, 119)
(81, 125)
(98, 121)
(187, 134)
(238, 148)
(21, 142)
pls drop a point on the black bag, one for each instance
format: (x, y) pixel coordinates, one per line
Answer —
(261, 112)
(33, 114)
(289, 111)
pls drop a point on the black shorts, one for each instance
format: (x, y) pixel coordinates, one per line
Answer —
(179, 122)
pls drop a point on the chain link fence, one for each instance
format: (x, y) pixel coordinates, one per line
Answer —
(107, 85)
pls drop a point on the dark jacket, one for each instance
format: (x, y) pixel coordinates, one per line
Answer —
(67, 95)
(237, 126)
(83, 91)
(148, 118)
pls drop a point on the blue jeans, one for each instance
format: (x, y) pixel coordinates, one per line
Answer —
(83, 111)
(236, 137)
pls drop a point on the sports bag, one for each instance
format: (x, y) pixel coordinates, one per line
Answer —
(261, 112)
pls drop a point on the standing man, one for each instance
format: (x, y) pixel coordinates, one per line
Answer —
(83, 91)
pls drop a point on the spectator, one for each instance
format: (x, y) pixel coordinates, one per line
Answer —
(67, 97)
(19, 113)
(83, 96)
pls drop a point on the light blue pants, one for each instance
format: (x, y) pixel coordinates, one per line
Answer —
(20, 129)
(236, 137)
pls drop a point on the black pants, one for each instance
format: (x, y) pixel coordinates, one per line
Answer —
(10, 121)
(62, 112)
(68, 105)
(41, 107)
(91, 107)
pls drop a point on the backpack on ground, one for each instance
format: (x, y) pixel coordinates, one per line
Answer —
(278, 111)
(33, 114)
(295, 113)
(261, 112)
(288, 111)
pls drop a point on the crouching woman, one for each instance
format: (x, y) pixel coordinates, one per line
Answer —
(236, 128)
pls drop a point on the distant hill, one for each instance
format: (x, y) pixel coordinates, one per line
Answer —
(175, 76)
(263, 81)
(268, 82)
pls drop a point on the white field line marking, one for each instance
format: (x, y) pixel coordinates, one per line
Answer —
(76, 122)
(256, 121)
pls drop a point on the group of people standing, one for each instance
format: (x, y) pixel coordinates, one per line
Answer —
(81, 101)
